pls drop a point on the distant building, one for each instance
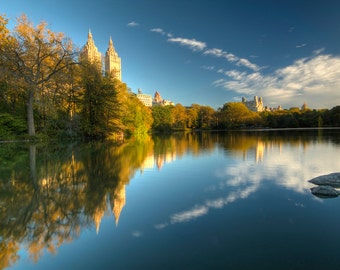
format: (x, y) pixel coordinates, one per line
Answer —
(304, 107)
(270, 109)
(144, 98)
(159, 101)
(112, 60)
(255, 105)
(148, 101)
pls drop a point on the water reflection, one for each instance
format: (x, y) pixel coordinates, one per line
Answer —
(50, 194)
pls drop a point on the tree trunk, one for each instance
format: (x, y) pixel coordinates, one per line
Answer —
(30, 116)
(33, 167)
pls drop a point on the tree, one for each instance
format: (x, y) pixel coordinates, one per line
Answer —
(162, 118)
(93, 102)
(116, 98)
(206, 117)
(234, 114)
(10, 99)
(179, 116)
(332, 117)
(192, 115)
(138, 117)
(32, 57)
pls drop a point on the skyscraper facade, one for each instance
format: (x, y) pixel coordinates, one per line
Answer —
(111, 60)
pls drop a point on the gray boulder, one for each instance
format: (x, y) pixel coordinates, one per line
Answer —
(332, 179)
(324, 191)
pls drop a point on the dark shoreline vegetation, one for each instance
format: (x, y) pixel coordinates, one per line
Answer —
(47, 91)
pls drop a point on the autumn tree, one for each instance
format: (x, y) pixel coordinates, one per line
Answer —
(11, 101)
(31, 57)
(179, 116)
(206, 117)
(234, 114)
(192, 115)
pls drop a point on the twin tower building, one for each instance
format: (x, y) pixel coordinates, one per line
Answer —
(111, 61)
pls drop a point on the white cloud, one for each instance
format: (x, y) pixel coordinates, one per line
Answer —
(301, 45)
(319, 51)
(246, 63)
(314, 80)
(161, 226)
(132, 24)
(208, 67)
(193, 44)
(158, 30)
(235, 74)
(241, 62)
(161, 31)
(196, 45)
(222, 54)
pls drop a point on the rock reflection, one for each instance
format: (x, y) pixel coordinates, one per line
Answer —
(49, 195)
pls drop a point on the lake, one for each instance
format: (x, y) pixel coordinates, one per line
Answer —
(233, 200)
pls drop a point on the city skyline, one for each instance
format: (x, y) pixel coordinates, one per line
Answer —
(210, 53)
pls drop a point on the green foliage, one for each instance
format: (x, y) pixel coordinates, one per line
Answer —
(332, 117)
(162, 118)
(138, 118)
(293, 118)
(11, 126)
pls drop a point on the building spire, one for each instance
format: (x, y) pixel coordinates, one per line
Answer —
(111, 47)
(90, 34)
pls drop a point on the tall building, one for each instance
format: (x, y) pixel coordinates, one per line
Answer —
(90, 51)
(112, 60)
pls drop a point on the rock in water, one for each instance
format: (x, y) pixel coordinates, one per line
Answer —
(332, 180)
(324, 191)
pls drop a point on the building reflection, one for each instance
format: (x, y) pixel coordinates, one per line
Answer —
(112, 205)
(118, 202)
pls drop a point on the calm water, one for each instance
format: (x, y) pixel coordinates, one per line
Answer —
(187, 201)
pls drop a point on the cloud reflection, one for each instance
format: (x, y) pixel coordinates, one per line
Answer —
(190, 214)
(137, 234)
(203, 209)
(276, 162)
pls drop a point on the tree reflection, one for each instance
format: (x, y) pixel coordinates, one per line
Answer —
(49, 194)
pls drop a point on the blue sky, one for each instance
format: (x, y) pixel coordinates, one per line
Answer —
(209, 52)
